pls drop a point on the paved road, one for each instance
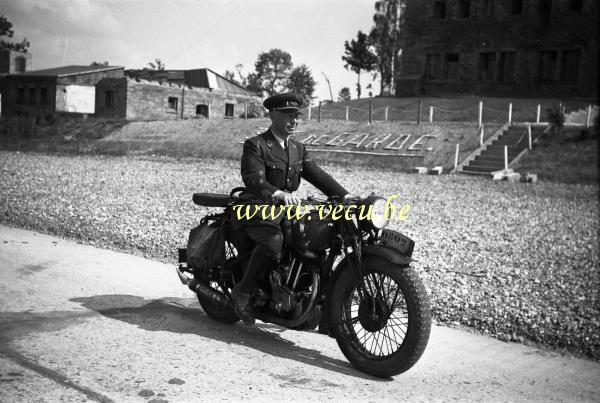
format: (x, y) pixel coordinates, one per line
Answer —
(79, 323)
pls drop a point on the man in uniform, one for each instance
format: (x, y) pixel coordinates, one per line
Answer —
(272, 167)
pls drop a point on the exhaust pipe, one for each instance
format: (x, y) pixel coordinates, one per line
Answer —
(203, 289)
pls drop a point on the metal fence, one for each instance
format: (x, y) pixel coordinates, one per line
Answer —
(492, 110)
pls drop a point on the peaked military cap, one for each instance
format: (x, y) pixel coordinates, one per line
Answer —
(288, 102)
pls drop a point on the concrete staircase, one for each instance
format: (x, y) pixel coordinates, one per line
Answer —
(491, 156)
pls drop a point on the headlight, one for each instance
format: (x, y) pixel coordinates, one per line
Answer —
(371, 213)
(378, 217)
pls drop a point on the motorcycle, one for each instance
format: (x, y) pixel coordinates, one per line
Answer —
(351, 278)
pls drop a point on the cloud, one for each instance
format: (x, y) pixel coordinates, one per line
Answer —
(63, 18)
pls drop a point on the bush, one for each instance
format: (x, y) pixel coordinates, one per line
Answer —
(18, 126)
(556, 117)
(254, 111)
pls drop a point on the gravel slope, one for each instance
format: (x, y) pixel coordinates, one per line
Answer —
(516, 261)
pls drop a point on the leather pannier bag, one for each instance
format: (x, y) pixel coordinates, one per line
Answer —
(206, 245)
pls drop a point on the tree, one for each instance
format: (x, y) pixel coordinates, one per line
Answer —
(99, 64)
(386, 37)
(6, 31)
(344, 95)
(302, 82)
(157, 65)
(358, 57)
(230, 75)
(272, 70)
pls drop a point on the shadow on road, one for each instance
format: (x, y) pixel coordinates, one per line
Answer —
(184, 315)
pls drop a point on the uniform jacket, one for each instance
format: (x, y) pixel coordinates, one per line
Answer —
(267, 167)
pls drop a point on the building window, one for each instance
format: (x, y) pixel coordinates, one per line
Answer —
(548, 65)
(229, 110)
(31, 96)
(439, 10)
(43, 96)
(21, 96)
(488, 8)
(202, 110)
(487, 62)
(545, 7)
(109, 99)
(464, 8)
(173, 104)
(20, 64)
(433, 67)
(575, 5)
(451, 68)
(570, 65)
(507, 66)
(516, 7)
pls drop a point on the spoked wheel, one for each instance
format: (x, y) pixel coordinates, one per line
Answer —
(385, 331)
(213, 309)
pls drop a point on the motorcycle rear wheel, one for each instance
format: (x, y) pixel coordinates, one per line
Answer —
(216, 311)
(213, 309)
(385, 335)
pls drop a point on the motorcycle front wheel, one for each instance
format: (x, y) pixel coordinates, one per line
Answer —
(385, 332)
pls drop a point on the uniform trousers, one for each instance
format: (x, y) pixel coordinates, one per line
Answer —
(268, 240)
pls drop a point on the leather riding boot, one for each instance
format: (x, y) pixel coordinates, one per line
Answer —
(241, 305)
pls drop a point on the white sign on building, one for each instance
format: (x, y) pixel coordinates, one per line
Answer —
(76, 98)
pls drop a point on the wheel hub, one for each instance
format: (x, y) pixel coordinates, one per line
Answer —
(372, 314)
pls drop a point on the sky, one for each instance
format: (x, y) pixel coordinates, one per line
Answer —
(186, 34)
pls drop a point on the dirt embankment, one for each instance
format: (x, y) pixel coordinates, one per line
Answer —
(393, 145)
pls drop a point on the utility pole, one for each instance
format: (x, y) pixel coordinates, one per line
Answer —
(329, 84)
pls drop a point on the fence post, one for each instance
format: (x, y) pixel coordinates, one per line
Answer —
(539, 109)
(481, 136)
(245, 109)
(480, 120)
(419, 113)
(370, 111)
(505, 158)
(319, 114)
(456, 155)
(510, 112)
(431, 114)
(589, 116)
(529, 135)
(309, 111)
(347, 108)
(387, 109)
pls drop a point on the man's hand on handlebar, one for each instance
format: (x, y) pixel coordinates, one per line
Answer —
(286, 198)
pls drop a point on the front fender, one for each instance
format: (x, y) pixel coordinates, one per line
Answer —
(391, 255)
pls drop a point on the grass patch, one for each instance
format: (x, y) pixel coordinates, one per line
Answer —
(567, 157)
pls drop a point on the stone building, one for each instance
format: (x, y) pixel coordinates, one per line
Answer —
(105, 91)
(68, 89)
(13, 62)
(529, 48)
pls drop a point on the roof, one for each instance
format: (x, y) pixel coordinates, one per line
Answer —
(209, 79)
(66, 71)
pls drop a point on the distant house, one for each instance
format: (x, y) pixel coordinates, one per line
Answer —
(533, 48)
(106, 91)
(203, 93)
(68, 89)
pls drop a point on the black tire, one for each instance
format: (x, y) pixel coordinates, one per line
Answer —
(216, 311)
(213, 309)
(402, 291)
